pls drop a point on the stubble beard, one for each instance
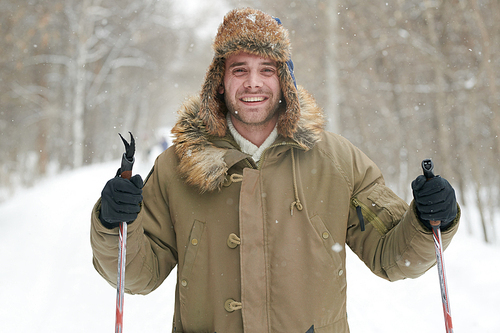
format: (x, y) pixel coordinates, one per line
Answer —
(271, 112)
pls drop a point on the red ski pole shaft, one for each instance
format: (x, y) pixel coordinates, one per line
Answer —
(125, 172)
(120, 284)
(428, 167)
(436, 232)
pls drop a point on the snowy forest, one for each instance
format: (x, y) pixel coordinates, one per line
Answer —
(403, 80)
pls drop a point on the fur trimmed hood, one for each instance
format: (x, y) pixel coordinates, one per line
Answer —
(203, 164)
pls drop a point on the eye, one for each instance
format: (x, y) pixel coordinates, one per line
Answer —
(268, 71)
(239, 71)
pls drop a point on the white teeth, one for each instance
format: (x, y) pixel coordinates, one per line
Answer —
(252, 99)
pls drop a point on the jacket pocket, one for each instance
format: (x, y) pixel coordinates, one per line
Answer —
(380, 207)
(331, 246)
(191, 250)
(393, 207)
(194, 282)
(364, 213)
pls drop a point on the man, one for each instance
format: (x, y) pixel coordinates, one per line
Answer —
(255, 202)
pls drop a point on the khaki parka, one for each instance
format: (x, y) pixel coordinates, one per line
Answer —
(265, 250)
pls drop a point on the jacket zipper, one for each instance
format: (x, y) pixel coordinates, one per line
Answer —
(364, 212)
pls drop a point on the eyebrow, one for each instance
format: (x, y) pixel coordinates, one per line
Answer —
(243, 63)
(236, 64)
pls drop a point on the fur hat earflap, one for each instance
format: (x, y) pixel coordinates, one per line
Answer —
(257, 33)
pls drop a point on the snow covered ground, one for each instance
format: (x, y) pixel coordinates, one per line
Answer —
(49, 284)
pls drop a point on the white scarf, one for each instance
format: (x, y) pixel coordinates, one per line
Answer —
(246, 146)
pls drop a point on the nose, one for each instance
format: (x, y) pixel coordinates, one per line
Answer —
(253, 80)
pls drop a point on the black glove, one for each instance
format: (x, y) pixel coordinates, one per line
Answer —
(120, 201)
(435, 200)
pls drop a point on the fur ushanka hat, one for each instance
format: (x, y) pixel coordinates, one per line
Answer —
(257, 33)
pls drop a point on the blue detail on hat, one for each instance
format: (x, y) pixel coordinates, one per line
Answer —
(289, 63)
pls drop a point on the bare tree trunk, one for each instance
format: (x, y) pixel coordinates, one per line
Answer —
(490, 73)
(79, 110)
(333, 91)
(475, 169)
(83, 29)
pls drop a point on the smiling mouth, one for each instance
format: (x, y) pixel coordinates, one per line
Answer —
(252, 99)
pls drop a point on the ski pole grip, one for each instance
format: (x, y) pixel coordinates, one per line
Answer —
(428, 168)
(126, 168)
(128, 158)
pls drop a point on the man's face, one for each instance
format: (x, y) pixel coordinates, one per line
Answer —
(251, 91)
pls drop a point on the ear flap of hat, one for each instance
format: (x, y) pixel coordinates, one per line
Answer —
(288, 120)
(213, 109)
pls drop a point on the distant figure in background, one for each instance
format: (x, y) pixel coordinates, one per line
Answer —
(164, 143)
(255, 202)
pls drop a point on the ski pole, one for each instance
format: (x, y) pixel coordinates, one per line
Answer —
(125, 172)
(428, 168)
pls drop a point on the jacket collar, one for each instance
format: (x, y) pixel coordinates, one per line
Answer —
(204, 159)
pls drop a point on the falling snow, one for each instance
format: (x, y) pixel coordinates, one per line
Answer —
(337, 247)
